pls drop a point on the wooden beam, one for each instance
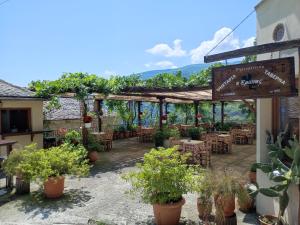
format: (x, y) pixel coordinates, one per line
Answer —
(196, 106)
(222, 113)
(251, 107)
(161, 102)
(255, 50)
(173, 89)
(139, 114)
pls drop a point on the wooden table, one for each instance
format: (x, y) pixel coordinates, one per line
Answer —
(195, 148)
(8, 144)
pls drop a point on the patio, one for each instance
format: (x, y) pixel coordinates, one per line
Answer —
(106, 200)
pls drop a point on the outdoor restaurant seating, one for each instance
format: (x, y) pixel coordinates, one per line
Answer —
(146, 134)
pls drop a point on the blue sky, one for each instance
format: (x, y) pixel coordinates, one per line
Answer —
(43, 39)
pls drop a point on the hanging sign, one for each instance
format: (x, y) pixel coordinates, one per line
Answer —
(262, 79)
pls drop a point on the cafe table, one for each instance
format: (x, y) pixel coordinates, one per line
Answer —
(195, 148)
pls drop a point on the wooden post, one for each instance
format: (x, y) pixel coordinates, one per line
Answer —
(222, 113)
(139, 114)
(196, 106)
(98, 110)
(160, 112)
(84, 129)
(214, 112)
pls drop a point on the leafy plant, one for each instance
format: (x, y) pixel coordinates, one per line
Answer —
(204, 185)
(278, 172)
(195, 132)
(162, 178)
(73, 137)
(159, 138)
(94, 144)
(40, 164)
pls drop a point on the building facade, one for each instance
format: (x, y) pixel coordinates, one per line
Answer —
(21, 116)
(277, 21)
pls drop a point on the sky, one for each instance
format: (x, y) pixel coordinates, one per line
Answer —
(40, 40)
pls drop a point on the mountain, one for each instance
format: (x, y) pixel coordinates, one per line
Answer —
(186, 70)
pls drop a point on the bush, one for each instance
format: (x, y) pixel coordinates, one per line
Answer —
(162, 178)
(195, 132)
(73, 137)
(40, 164)
(175, 133)
(93, 144)
(159, 138)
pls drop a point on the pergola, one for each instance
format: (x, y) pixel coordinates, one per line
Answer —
(163, 96)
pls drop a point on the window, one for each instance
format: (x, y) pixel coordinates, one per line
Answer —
(15, 120)
(278, 33)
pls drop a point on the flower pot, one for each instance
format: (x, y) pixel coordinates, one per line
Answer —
(204, 208)
(166, 143)
(54, 187)
(22, 187)
(267, 220)
(246, 206)
(87, 125)
(252, 177)
(226, 204)
(168, 214)
(93, 156)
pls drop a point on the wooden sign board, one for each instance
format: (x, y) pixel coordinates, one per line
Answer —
(262, 79)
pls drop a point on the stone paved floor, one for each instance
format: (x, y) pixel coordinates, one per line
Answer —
(101, 196)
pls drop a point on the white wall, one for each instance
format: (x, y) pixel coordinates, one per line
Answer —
(269, 14)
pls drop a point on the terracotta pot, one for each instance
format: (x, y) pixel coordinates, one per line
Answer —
(168, 214)
(93, 156)
(252, 177)
(269, 217)
(204, 208)
(54, 187)
(226, 203)
(246, 206)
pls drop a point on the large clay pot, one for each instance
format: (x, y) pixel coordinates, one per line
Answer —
(246, 206)
(226, 203)
(267, 220)
(54, 187)
(252, 177)
(204, 208)
(93, 156)
(168, 214)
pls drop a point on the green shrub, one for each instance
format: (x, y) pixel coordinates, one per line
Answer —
(195, 132)
(40, 164)
(93, 144)
(159, 138)
(73, 137)
(163, 177)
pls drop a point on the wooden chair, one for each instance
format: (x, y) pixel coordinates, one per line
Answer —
(224, 144)
(107, 140)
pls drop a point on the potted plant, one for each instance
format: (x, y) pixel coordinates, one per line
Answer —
(245, 200)
(93, 148)
(279, 174)
(252, 174)
(162, 180)
(73, 137)
(159, 138)
(194, 133)
(49, 166)
(87, 121)
(203, 186)
(227, 187)
(268, 220)
(13, 167)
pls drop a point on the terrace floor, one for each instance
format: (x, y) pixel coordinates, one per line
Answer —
(100, 197)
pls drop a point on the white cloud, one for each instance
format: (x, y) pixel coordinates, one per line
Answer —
(108, 73)
(249, 42)
(230, 43)
(167, 51)
(162, 64)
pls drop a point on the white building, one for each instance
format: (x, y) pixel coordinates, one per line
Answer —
(277, 20)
